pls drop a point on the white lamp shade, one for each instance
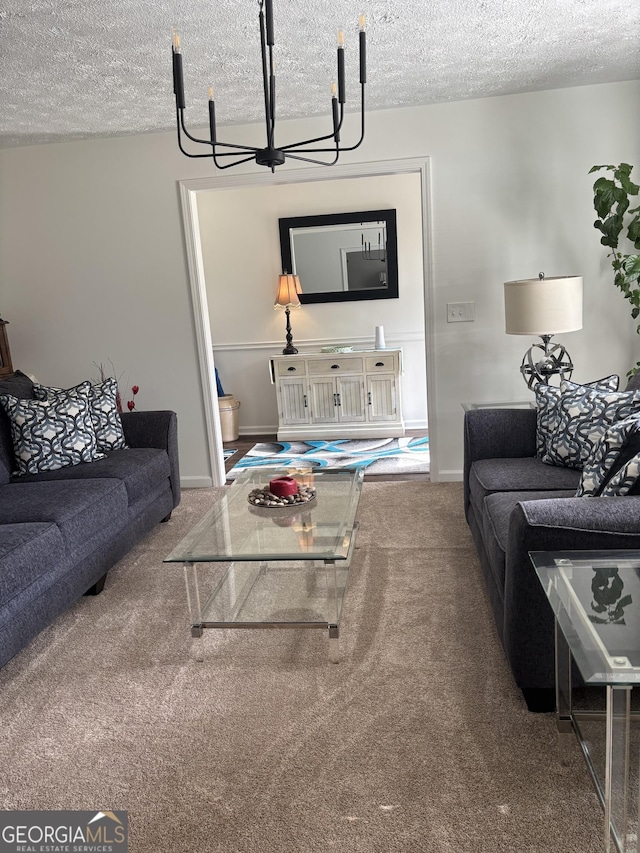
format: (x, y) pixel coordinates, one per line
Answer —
(543, 306)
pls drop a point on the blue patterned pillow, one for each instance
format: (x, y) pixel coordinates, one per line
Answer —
(548, 406)
(51, 434)
(626, 480)
(618, 445)
(584, 417)
(104, 412)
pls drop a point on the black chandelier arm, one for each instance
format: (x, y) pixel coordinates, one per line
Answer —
(243, 148)
(189, 135)
(182, 148)
(295, 145)
(317, 162)
(360, 141)
(317, 138)
(229, 165)
(217, 143)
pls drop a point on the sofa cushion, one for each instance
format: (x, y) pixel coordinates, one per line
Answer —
(141, 469)
(495, 524)
(104, 411)
(52, 434)
(619, 444)
(27, 551)
(548, 407)
(516, 475)
(18, 385)
(88, 512)
(585, 416)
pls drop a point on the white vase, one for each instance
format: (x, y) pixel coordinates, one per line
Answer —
(380, 344)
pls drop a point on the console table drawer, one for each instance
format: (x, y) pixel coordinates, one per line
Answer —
(329, 366)
(381, 363)
(291, 367)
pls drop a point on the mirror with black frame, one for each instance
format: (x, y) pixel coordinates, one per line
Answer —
(342, 257)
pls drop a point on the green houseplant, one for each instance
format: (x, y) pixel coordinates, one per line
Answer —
(617, 220)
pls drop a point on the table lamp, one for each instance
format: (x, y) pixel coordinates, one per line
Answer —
(287, 298)
(545, 307)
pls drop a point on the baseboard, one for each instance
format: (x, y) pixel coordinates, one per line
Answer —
(259, 429)
(196, 482)
(452, 476)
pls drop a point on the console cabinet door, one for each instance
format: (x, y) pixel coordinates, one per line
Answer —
(324, 401)
(294, 401)
(381, 397)
(350, 398)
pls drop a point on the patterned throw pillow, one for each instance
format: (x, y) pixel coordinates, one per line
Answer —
(104, 412)
(584, 417)
(48, 435)
(619, 444)
(548, 406)
(626, 481)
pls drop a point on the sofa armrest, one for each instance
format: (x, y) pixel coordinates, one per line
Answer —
(553, 524)
(497, 434)
(155, 429)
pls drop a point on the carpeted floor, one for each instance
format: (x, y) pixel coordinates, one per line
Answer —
(417, 741)
(377, 455)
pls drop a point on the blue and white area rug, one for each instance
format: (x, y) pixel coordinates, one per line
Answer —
(228, 451)
(377, 455)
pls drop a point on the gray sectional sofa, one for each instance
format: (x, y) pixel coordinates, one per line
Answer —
(514, 504)
(61, 531)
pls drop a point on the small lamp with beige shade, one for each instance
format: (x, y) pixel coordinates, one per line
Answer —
(287, 298)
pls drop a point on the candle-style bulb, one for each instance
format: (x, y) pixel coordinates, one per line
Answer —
(334, 89)
(361, 22)
(340, 38)
(175, 35)
(210, 93)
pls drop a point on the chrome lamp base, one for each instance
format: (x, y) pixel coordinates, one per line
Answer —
(545, 360)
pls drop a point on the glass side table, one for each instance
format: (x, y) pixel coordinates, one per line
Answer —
(508, 404)
(595, 598)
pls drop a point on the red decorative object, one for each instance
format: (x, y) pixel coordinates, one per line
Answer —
(283, 486)
(131, 404)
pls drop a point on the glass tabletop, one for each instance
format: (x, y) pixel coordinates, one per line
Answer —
(595, 596)
(234, 530)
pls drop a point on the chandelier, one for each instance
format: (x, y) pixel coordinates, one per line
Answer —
(227, 154)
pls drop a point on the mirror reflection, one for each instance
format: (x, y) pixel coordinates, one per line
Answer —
(342, 257)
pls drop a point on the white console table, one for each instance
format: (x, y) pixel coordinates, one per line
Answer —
(339, 395)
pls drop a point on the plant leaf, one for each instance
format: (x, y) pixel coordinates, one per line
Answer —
(633, 231)
(632, 265)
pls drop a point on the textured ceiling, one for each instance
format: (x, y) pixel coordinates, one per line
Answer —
(72, 69)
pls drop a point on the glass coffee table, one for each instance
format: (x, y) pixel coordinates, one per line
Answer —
(595, 598)
(286, 567)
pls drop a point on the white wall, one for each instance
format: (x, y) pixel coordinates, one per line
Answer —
(92, 260)
(241, 255)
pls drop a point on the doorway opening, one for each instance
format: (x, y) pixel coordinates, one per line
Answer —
(190, 190)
